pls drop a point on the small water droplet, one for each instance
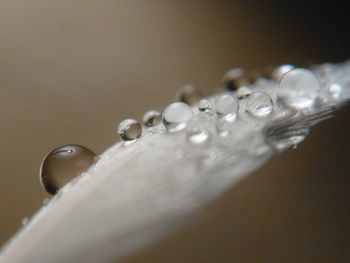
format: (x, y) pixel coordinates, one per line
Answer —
(243, 92)
(223, 127)
(299, 89)
(190, 95)
(25, 221)
(46, 201)
(278, 72)
(129, 130)
(334, 91)
(63, 164)
(152, 118)
(176, 116)
(204, 105)
(198, 129)
(287, 133)
(235, 78)
(259, 104)
(226, 105)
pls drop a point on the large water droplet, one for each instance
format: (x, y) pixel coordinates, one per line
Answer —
(259, 104)
(278, 72)
(287, 133)
(129, 130)
(299, 89)
(190, 95)
(63, 164)
(226, 105)
(235, 78)
(152, 118)
(176, 116)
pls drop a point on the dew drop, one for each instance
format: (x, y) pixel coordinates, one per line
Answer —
(64, 164)
(204, 105)
(235, 78)
(299, 89)
(198, 130)
(287, 133)
(129, 130)
(226, 105)
(243, 92)
(278, 72)
(259, 104)
(334, 91)
(152, 118)
(25, 221)
(222, 127)
(176, 116)
(190, 95)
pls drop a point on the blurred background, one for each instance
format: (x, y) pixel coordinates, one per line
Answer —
(70, 70)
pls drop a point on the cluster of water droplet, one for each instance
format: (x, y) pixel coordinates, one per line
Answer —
(282, 102)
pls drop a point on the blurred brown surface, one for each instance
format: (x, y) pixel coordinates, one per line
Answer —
(71, 70)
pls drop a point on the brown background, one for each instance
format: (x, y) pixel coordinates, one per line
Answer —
(71, 70)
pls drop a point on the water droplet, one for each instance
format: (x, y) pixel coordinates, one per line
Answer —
(190, 95)
(259, 104)
(235, 78)
(243, 92)
(204, 105)
(46, 201)
(198, 129)
(176, 116)
(278, 72)
(129, 130)
(299, 89)
(63, 164)
(223, 127)
(334, 91)
(25, 221)
(254, 75)
(287, 133)
(226, 105)
(152, 118)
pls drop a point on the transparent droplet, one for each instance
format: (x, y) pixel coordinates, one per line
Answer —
(235, 78)
(198, 130)
(253, 75)
(259, 104)
(25, 221)
(287, 133)
(223, 127)
(176, 116)
(278, 72)
(46, 201)
(64, 164)
(129, 130)
(190, 95)
(334, 91)
(299, 89)
(226, 105)
(152, 118)
(243, 92)
(204, 105)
